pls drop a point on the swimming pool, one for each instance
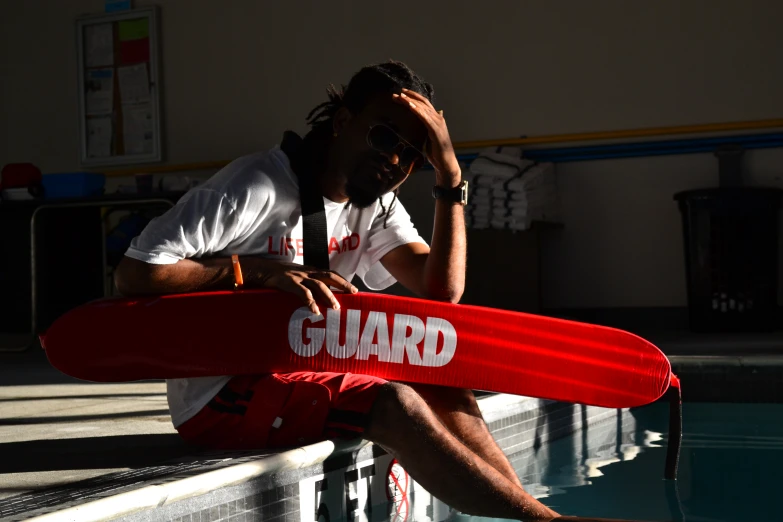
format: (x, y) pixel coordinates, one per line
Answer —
(730, 468)
(581, 460)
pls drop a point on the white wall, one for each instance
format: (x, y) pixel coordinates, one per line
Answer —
(622, 244)
(235, 74)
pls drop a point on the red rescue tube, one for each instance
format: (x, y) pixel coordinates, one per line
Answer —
(396, 338)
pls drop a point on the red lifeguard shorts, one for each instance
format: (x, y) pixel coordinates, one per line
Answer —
(283, 410)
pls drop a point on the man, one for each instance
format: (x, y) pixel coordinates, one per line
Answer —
(364, 142)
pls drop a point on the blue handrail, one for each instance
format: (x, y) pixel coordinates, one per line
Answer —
(651, 148)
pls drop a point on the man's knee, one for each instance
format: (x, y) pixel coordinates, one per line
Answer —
(395, 398)
(449, 400)
(463, 397)
(395, 403)
(465, 402)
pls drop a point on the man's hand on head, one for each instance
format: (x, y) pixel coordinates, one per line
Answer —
(440, 150)
(437, 272)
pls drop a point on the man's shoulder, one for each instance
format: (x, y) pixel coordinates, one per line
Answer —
(253, 175)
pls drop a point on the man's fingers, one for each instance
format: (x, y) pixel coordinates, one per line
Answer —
(338, 281)
(414, 103)
(422, 108)
(335, 280)
(311, 285)
(425, 114)
(304, 293)
(417, 97)
(322, 292)
(421, 101)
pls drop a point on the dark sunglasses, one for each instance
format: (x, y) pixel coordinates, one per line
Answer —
(384, 139)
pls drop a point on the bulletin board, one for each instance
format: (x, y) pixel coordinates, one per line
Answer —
(119, 88)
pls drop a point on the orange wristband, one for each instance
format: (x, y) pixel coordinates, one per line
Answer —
(238, 281)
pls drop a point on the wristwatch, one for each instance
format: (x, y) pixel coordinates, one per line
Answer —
(458, 194)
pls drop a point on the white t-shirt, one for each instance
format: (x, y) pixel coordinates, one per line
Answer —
(251, 207)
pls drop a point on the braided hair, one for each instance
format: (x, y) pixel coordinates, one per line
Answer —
(387, 77)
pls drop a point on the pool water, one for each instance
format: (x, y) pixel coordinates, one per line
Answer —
(731, 470)
(731, 467)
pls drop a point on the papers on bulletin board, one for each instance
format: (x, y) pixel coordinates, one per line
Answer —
(134, 83)
(98, 45)
(135, 51)
(134, 29)
(98, 137)
(99, 91)
(118, 103)
(137, 129)
(112, 6)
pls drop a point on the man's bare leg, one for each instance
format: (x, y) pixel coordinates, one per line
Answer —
(459, 412)
(403, 423)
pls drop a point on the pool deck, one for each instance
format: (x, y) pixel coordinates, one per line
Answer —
(56, 431)
(739, 367)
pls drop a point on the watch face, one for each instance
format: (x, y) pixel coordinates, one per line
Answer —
(458, 194)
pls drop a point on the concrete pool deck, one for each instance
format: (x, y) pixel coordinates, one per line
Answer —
(58, 433)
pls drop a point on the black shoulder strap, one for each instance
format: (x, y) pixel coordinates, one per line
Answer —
(315, 237)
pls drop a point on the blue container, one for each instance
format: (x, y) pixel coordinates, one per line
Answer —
(73, 185)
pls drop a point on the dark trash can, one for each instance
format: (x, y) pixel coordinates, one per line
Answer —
(731, 257)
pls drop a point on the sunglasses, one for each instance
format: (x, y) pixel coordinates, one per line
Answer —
(384, 139)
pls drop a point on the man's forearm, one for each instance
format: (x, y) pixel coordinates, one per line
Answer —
(444, 271)
(135, 277)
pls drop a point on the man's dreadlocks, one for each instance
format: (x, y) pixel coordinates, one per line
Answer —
(375, 79)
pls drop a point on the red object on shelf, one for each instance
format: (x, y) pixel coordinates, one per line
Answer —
(19, 175)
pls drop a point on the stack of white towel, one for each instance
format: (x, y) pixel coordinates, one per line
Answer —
(507, 191)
